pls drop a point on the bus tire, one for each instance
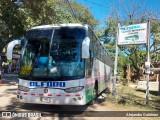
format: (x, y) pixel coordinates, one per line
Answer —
(95, 91)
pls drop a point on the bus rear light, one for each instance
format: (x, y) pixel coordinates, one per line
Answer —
(74, 89)
(33, 94)
(58, 95)
(25, 93)
(49, 94)
(68, 95)
(40, 94)
(77, 94)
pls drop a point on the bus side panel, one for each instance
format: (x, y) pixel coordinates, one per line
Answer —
(108, 78)
(101, 73)
(89, 90)
(101, 80)
(90, 81)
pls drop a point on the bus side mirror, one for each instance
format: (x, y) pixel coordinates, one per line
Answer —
(85, 47)
(10, 48)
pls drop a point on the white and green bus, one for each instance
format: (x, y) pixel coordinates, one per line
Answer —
(62, 64)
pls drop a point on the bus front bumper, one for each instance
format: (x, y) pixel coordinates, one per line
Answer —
(59, 99)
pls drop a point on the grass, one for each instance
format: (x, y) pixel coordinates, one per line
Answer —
(128, 98)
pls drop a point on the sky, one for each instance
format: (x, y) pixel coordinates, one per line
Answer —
(101, 9)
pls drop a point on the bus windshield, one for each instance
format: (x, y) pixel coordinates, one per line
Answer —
(53, 53)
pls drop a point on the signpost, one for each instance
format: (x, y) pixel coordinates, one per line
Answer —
(134, 35)
(147, 65)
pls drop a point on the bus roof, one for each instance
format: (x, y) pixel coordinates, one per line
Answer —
(60, 25)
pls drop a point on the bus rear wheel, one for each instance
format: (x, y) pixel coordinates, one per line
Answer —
(95, 91)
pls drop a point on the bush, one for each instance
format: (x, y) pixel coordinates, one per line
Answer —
(125, 81)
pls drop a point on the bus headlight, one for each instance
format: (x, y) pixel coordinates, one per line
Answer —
(23, 88)
(74, 89)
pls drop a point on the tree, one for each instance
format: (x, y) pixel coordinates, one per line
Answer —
(80, 12)
(10, 22)
(134, 13)
(15, 20)
(42, 12)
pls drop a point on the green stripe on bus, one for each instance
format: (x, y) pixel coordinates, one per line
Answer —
(89, 91)
(89, 94)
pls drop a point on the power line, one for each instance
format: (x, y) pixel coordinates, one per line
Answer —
(95, 3)
(71, 10)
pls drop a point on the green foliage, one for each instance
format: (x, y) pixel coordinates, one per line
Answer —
(125, 81)
(123, 62)
(111, 29)
(136, 54)
(10, 21)
(45, 12)
(16, 20)
(82, 14)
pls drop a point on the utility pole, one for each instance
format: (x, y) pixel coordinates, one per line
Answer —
(115, 63)
(147, 65)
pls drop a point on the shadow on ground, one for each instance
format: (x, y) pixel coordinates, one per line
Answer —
(47, 110)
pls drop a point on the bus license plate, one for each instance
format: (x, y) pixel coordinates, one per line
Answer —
(45, 99)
